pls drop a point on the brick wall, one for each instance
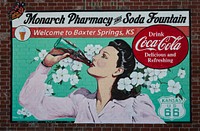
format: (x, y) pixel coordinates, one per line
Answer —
(5, 61)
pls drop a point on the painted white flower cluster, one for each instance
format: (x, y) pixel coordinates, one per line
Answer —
(153, 75)
(24, 112)
(141, 76)
(67, 65)
(173, 86)
(41, 55)
(151, 79)
(91, 50)
(62, 74)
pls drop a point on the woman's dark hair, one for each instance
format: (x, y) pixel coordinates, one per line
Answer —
(125, 60)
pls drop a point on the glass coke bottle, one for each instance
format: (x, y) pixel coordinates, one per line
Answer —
(65, 46)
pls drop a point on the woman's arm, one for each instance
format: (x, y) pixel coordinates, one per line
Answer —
(32, 95)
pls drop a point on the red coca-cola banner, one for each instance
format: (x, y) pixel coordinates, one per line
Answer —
(160, 46)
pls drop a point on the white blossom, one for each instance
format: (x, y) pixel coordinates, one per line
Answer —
(97, 48)
(147, 71)
(174, 87)
(89, 48)
(65, 62)
(76, 66)
(181, 73)
(161, 73)
(147, 83)
(74, 79)
(24, 112)
(61, 75)
(19, 112)
(154, 88)
(42, 54)
(89, 55)
(64, 74)
(36, 58)
(124, 83)
(137, 78)
(153, 75)
(56, 78)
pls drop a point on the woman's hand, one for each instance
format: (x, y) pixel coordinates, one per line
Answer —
(54, 56)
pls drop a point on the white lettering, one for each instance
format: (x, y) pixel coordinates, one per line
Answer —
(167, 43)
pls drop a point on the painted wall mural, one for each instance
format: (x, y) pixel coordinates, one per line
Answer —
(101, 66)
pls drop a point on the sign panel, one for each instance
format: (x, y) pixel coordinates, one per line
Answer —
(101, 66)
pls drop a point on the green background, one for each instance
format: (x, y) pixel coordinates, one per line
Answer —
(23, 65)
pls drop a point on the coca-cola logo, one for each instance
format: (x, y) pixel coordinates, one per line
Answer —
(160, 46)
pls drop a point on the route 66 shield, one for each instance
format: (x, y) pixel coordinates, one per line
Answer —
(171, 108)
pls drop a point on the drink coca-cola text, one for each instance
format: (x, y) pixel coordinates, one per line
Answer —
(167, 43)
(160, 46)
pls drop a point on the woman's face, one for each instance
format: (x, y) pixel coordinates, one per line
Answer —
(104, 63)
